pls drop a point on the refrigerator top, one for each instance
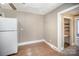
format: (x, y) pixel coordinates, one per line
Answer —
(3, 18)
(7, 30)
(8, 24)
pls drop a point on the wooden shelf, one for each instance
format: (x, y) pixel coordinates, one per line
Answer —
(66, 24)
(66, 36)
(66, 28)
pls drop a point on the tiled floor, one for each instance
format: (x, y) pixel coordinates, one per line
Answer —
(71, 51)
(38, 49)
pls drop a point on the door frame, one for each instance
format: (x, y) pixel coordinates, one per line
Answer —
(59, 23)
(76, 31)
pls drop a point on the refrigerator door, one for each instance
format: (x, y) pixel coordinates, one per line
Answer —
(8, 43)
(8, 24)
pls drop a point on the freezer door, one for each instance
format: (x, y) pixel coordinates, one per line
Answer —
(8, 24)
(8, 43)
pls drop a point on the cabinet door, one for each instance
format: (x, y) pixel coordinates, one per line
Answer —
(8, 42)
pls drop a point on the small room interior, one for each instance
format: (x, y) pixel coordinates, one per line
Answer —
(36, 28)
(70, 28)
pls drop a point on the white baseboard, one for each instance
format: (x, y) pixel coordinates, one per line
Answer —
(37, 41)
(52, 46)
(30, 42)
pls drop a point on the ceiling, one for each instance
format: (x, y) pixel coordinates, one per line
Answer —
(37, 8)
(73, 12)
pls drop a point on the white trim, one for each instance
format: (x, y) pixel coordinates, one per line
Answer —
(67, 17)
(52, 46)
(76, 18)
(30, 42)
(59, 25)
(75, 31)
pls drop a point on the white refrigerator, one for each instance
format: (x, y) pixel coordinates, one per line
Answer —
(8, 36)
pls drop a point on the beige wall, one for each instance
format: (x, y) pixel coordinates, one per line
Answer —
(30, 26)
(51, 24)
